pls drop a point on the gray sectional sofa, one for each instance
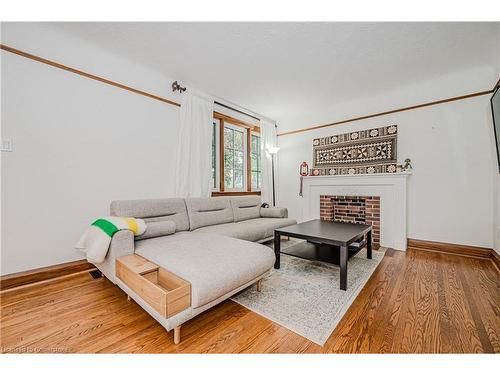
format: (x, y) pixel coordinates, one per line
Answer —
(213, 243)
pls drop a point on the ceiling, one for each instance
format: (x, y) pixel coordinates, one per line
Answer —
(273, 68)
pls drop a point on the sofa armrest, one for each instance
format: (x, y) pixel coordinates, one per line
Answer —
(274, 212)
(122, 244)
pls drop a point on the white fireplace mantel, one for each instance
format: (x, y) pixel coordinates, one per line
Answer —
(390, 187)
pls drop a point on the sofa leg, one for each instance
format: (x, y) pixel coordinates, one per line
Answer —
(259, 285)
(177, 335)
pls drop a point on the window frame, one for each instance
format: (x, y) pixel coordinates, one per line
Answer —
(247, 176)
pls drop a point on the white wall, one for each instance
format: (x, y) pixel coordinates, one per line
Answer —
(78, 144)
(449, 194)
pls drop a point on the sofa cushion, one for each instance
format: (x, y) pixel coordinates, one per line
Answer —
(267, 225)
(274, 212)
(246, 207)
(209, 211)
(154, 210)
(213, 264)
(249, 230)
(234, 230)
(157, 229)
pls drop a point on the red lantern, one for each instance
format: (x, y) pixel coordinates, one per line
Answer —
(304, 169)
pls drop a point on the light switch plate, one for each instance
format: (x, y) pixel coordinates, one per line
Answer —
(6, 144)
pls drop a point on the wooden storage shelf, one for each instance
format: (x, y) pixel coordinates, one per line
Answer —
(162, 290)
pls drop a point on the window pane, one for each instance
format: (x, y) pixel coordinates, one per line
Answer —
(255, 144)
(228, 138)
(254, 162)
(238, 160)
(228, 178)
(228, 158)
(238, 179)
(238, 140)
(228, 168)
(235, 157)
(254, 180)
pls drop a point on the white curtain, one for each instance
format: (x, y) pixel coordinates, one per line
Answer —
(267, 140)
(194, 154)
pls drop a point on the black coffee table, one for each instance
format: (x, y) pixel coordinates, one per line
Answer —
(338, 236)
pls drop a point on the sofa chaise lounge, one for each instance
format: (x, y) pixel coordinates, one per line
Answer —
(196, 253)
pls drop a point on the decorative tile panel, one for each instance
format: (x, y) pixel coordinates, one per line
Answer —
(360, 152)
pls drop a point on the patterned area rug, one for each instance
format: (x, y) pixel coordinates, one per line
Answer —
(304, 296)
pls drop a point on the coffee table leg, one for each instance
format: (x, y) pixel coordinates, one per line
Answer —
(343, 267)
(277, 249)
(369, 245)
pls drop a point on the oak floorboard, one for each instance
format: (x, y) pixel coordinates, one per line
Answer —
(467, 337)
(428, 327)
(404, 315)
(235, 335)
(485, 307)
(415, 302)
(352, 333)
(387, 319)
(28, 292)
(447, 334)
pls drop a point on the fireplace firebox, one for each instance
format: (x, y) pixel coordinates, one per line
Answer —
(353, 209)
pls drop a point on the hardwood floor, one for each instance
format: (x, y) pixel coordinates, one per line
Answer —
(415, 302)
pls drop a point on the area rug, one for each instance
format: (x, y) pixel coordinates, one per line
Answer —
(304, 296)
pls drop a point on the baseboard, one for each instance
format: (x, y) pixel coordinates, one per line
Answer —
(496, 258)
(450, 248)
(18, 279)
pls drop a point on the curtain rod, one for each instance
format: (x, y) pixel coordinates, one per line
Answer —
(236, 110)
(177, 87)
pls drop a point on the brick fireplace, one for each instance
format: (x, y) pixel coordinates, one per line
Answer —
(354, 209)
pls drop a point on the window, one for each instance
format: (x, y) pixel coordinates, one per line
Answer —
(256, 167)
(236, 162)
(234, 157)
